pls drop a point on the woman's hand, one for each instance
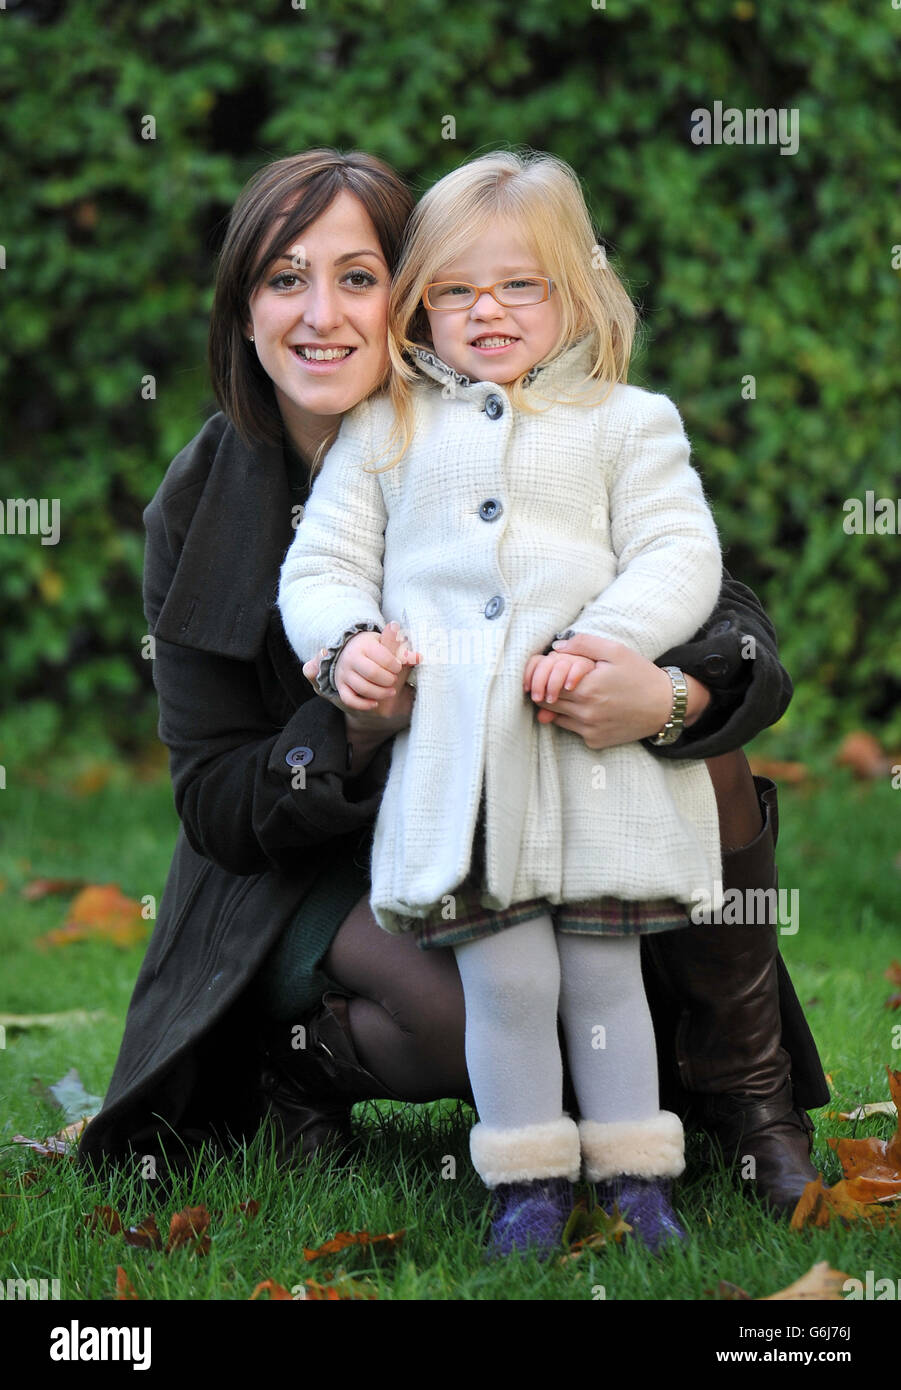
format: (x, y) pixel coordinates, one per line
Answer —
(624, 699)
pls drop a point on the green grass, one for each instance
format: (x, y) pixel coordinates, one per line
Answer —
(838, 844)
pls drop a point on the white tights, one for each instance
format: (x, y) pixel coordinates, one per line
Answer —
(514, 983)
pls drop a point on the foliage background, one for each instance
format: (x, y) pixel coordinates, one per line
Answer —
(744, 261)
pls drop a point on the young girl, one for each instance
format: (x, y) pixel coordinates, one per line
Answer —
(526, 491)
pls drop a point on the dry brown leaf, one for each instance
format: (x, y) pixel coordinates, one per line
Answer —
(104, 1219)
(345, 1238)
(144, 1236)
(250, 1208)
(820, 1282)
(276, 1291)
(819, 1205)
(874, 1165)
(871, 1184)
(125, 1289)
(101, 912)
(340, 1287)
(38, 888)
(794, 773)
(188, 1227)
(48, 1148)
(727, 1291)
(861, 752)
(893, 974)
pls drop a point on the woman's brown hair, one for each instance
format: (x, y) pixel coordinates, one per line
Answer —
(278, 203)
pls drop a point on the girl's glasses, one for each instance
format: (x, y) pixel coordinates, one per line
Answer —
(457, 294)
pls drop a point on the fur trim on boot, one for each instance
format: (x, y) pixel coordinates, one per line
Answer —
(652, 1148)
(550, 1150)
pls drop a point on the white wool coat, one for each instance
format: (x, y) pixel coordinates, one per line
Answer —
(499, 530)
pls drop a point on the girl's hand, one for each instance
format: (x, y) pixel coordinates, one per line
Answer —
(546, 676)
(372, 667)
(385, 716)
(624, 699)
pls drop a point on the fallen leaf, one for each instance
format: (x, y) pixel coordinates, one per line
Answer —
(70, 1095)
(72, 1133)
(893, 1001)
(48, 1148)
(39, 888)
(73, 1018)
(819, 1205)
(250, 1208)
(104, 1219)
(861, 752)
(587, 1230)
(819, 1282)
(873, 1166)
(340, 1287)
(727, 1291)
(345, 1238)
(893, 974)
(101, 912)
(878, 1107)
(188, 1227)
(276, 1291)
(144, 1236)
(125, 1289)
(779, 771)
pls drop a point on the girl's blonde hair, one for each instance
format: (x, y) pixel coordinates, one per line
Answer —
(544, 196)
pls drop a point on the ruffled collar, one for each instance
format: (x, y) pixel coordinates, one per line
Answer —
(573, 362)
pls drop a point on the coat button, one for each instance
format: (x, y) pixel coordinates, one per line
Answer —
(299, 757)
(490, 509)
(494, 407)
(715, 665)
(720, 628)
(494, 607)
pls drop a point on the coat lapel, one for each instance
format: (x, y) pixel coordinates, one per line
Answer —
(226, 580)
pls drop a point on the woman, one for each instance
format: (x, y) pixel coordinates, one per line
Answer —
(268, 990)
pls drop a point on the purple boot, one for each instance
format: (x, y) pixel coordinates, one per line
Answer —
(645, 1204)
(530, 1215)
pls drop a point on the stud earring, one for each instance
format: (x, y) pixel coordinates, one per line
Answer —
(251, 337)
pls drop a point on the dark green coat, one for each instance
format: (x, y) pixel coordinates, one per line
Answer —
(235, 709)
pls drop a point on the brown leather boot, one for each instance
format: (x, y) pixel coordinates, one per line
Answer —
(306, 1092)
(732, 1071)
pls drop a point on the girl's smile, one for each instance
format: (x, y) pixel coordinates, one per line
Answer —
(490, 340)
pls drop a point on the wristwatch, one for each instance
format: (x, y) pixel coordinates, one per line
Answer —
(673, 727)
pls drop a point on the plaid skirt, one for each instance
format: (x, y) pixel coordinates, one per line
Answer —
(605, 916)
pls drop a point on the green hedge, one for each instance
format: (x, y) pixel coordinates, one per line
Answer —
(746, 263)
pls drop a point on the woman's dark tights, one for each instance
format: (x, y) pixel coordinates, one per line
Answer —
(406, 1010)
